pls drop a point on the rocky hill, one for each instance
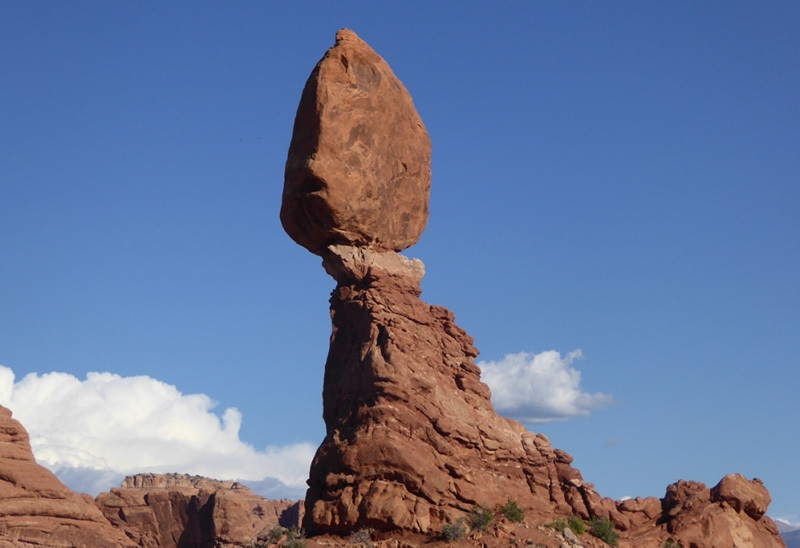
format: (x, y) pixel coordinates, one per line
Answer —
(148, 511)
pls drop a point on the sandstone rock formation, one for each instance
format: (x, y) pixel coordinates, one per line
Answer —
(181, 511)
(36, 509)
(412, 440)
(729, 515)
(359, 150)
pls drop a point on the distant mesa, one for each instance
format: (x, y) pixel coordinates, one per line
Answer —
(183, 511)
(359, 165)
(148, 511)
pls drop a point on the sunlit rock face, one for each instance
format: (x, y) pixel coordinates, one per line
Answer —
(359, 164)
(413, 441)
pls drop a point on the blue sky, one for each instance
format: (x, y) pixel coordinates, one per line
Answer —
(615, 194)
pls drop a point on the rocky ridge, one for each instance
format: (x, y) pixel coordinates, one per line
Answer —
(180, 511)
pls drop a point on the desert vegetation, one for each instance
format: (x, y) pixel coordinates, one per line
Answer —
(573, 523)
(603, 529)
(512, 511)
(453, 532)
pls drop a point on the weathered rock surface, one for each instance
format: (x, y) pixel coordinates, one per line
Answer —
(412, 439)
(181, 511)
(359, 165)
(36, 509)
(729, 515)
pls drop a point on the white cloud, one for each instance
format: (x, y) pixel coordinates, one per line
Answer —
(540, 387)
(92, 433)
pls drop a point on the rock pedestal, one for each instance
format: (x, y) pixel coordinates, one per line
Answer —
(412, 440)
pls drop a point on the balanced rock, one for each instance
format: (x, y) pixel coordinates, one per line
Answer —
(412, 440)
(359, 165)
(36, 509)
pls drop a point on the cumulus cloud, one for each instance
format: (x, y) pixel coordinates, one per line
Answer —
(93, 432)
(540, 387)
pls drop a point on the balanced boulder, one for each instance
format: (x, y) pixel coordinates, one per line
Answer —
(359, 165)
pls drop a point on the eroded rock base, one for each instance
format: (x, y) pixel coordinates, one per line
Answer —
(412, 440)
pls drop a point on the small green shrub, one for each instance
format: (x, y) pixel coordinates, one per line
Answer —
(669, 543)
(480, 518)
(576, 525)
(603, 529)
(294, 538)
(275, 534)
(454, 531)
(513, 512)
(362, 536)
(559, 525)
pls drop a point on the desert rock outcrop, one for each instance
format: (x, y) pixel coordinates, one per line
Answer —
(729, 515)
(359, 150)
(181, 511)
(36, 509)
